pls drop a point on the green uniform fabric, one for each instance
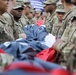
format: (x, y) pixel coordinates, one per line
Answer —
(69, 39)
(6, 32)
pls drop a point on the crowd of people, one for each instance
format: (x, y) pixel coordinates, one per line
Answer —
(59, 19)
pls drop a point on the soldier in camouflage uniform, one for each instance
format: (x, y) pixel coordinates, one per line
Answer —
(67, 43)
(27, 8)
(17, 13)
(49, 8)
(60, 12)
(64, 24)
(37, 14)
(6, 33)
(9, 18)
(31, 18)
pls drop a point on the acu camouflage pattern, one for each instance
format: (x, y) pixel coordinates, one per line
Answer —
(5, 60)
(69, 40)
(50, 2)
(25, 21)
(32, 21)
(49, 21)
(6, 32)
(57, 24)
(17, 30)
(9, 18)
(16, 27)
(56, 28)
(65, 22)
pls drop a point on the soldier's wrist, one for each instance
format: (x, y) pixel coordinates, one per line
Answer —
(61, 46)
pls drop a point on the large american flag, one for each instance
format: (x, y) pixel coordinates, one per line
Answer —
(38, 4)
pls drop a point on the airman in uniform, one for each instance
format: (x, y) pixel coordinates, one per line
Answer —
(49, 7)
(65, 23)
(17, 13)
(60, 12)
(27, 9)
(6, 33)
(66, 45)
(37, 14)
(31, 18)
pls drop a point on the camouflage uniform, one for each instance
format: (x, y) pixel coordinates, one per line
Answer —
(56, 28)
(69, 38)
(65, 22)
(50, 19)
(16, 27)
(24, 20)
(32, 21)
(38, 12)
(17, 30)
(5, 60)
(57, 24)
(9, 18)
(25, 3)
(6, 32)
(17, 24)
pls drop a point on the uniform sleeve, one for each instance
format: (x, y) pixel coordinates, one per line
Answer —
(61, 30)
(17, 30)
(48, 27)
(67, 46)
(23, 21)
(5, 34)
(71, 63)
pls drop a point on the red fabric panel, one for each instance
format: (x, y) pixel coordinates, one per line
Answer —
(24, 66)
(47, 55)
(2, 51)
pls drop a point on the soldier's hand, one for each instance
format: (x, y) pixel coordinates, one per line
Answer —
(23, 35)
(56, 43)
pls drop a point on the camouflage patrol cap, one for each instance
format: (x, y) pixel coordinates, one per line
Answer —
(24, 1)
(60, 7)
(32, 10)
(50, 2)
(17, 5)
(38, 11)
